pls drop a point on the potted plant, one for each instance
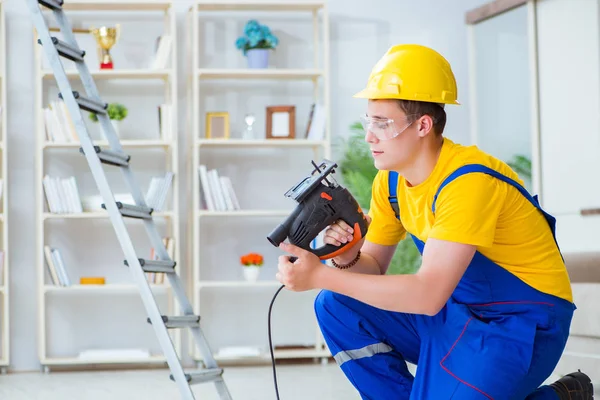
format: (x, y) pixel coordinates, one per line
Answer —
(358, 171)
(256, 43)
(521, 164)
(116, 113)
(251, 263)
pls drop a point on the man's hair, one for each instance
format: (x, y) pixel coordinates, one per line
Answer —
(416, 109)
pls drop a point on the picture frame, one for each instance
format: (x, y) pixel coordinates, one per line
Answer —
(281, 122)
(217, 125)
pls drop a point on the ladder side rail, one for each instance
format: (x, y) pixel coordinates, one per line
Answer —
(104, 188)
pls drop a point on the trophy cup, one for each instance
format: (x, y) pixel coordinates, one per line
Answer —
(106, 38)
(249, 119)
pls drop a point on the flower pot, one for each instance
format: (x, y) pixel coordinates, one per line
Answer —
(251, 273)
(258, 58)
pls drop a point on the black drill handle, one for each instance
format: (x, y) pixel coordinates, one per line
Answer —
(319, 210)
(348, 210)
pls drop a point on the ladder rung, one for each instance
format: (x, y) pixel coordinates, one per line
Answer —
(180, 321)
(88, 104)
(66, 50)
(156, 265)
(133, 210)
(111, 157)
(52, 4)
(203, 375)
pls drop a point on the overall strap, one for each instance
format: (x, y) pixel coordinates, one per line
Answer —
(465, 169)
(392, 192)
(469, 168)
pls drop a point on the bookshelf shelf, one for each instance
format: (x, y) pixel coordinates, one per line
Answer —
(236, 197)
(259, 73)
(111, 288)
(260, 143)
(141, 74)
(56, 361)
(262, 5)
(228, 284)
(124, 143)
(5, 297)
(74, 237)
(96, 215)
(244, 213)
(117, 5)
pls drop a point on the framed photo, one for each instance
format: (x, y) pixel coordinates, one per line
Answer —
(281, 122)
(217, 125)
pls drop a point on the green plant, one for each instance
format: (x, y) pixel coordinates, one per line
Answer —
(116, 111)
(358, 171)
(522, 166)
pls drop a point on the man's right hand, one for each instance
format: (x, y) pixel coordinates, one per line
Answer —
(340, 233)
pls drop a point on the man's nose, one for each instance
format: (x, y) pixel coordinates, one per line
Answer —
(370, 137)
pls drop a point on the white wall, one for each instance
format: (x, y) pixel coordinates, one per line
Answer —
(360, 33)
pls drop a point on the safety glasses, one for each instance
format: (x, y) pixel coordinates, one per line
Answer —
(382, 128)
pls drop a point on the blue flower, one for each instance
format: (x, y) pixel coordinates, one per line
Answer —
(265, 31)
(256, 36)
(241, 42)
(273, 40)
(251, 26)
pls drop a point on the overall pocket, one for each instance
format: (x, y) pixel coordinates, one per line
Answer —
(491, 355)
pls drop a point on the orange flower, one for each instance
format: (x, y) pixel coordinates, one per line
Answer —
(252, 259)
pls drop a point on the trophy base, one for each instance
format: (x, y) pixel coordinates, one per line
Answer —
(108, 65)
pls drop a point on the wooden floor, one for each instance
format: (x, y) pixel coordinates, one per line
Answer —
(296, 382)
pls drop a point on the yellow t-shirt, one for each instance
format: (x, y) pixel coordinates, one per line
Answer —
(476, 209)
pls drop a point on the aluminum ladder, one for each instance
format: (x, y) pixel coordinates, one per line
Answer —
(115, 157)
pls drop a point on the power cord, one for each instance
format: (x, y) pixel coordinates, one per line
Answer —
(271, 342)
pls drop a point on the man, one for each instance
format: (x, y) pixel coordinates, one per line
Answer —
(488, 313)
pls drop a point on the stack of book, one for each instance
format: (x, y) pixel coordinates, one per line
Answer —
(158, 191)
(62, 195)
(56, 267)
(217, 193)
(58, 123)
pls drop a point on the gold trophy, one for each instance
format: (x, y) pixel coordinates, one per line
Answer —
(106, 38)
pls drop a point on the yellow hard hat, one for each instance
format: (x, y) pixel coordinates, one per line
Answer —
(412, 72)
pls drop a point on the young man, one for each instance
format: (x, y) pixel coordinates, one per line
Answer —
(488, 313)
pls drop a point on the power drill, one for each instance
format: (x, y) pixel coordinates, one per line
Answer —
(321, 202)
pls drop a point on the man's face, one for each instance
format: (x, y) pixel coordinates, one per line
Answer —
(392, 138)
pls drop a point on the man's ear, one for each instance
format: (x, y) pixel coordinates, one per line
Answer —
(424, 125)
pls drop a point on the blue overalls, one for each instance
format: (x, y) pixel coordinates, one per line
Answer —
(496, 338)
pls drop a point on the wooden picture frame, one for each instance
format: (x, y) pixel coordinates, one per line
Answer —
(217, 125)
(281, 122)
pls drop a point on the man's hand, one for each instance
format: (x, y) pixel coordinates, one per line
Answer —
(301, 275)
(340, 233)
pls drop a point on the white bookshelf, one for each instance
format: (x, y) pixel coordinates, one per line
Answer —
(4, 219)
(77, 318)
(232, 309)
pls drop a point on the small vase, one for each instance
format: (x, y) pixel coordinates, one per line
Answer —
(251, 273)
(258, 58)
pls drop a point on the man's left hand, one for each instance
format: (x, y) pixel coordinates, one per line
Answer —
(301, 275)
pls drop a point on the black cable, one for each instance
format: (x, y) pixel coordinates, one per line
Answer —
(271, 342)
